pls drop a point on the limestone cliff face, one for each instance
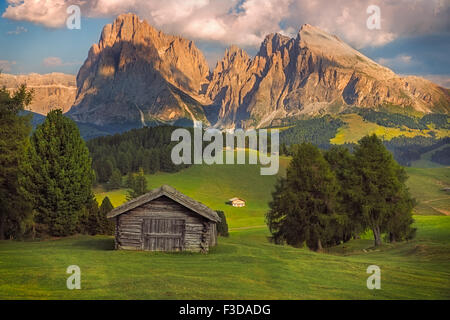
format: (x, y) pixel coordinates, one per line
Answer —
(51, 91)
(136, 73)
(311, 74)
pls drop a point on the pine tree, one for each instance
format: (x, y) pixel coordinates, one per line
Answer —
(14, 141)
(222, 226)
(60, 174)
(107, 225)
(93, 226)
(351, 224)
(116, 180)
(303, 205)
(385, 204)
(139, 186)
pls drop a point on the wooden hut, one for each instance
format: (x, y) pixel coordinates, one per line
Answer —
(165, 220)
(237, 202)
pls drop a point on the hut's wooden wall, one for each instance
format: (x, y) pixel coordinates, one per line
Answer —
(199, 233)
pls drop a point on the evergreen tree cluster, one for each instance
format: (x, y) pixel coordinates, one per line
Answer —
(137, 184)
(222, 226)
(148, 148)
(329, 198)
(15, 211)
(396, 120)
(317, 131)
(406, 150)
(45, 178)
(442, 156)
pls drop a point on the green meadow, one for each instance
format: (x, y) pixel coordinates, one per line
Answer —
(245, 265)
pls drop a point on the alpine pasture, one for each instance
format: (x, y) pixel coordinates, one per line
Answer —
(245, 265)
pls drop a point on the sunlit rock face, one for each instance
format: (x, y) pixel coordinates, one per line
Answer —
(138, 74)
(50, 91)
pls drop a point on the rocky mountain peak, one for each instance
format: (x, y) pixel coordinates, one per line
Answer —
(140, 73)
(137, 73)
(272, 43)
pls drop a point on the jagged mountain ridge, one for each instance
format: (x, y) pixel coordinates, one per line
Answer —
(137, 73)
(50, 91)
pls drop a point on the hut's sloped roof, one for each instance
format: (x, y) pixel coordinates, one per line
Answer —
(171, 193)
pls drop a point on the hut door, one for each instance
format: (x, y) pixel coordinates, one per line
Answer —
(163, 234)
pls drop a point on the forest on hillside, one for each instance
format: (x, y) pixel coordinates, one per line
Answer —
(148, 148)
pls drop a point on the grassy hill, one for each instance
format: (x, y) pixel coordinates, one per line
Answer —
(213, 185)
(245, 265)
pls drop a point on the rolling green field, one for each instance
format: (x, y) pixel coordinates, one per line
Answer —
(245, 265)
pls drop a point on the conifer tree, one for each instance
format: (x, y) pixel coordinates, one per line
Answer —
(351, 223)
(303, 205)
(60, 174)
(116, 180)
(138, 185)
(14, 141)
(385, 204)
(107, 225)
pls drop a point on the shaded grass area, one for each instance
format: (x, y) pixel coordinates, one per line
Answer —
(243, 266)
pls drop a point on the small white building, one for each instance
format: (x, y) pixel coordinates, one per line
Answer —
(237, 202)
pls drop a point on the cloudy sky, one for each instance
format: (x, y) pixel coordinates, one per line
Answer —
(414, 35)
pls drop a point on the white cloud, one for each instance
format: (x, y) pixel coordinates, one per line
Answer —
(6, 65)
(246, 22)
(50, 13)
(57, 62)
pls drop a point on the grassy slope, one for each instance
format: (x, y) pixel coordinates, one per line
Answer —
(214, 185)
(426, 186)
(245, 265)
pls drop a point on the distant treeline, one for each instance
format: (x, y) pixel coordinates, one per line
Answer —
(442, 156)
(147, 148)
(395, 120)
(407, 150)
(317, 131)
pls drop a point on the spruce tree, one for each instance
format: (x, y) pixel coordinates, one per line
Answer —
(60, 174)
(14, 141)
(116, 180)
(385, 204)
(222, 226)
(107, 225)
(303, 205)
(342, 162)
(139, 186)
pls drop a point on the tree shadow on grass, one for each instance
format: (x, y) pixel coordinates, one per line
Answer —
(95, 244)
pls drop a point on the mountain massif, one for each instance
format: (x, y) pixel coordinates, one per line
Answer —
(51, 91)
(136, 75)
